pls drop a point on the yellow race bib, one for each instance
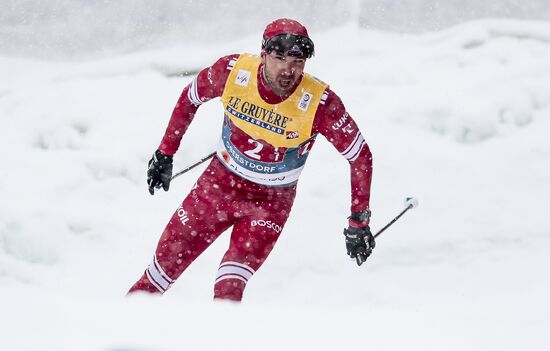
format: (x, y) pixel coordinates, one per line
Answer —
(282, 126)
(285, 124)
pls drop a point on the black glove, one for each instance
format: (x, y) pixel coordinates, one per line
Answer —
(359, 239)
(159, 172)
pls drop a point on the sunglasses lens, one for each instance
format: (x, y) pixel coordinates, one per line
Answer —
(291, 45)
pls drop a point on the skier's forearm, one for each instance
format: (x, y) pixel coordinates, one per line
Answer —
(361, 177)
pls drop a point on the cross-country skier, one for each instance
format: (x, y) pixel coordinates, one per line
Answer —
(272, 113)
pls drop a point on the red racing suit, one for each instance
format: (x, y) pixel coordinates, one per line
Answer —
(224, 196)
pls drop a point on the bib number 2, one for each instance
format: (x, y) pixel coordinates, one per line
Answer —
(254, 152)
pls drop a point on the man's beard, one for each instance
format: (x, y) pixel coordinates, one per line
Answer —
(281, 85)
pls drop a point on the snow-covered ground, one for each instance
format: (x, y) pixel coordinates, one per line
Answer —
(458, 118)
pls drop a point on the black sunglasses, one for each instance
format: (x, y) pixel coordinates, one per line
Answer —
(290, 45)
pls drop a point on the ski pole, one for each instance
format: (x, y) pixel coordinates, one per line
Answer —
(205, 158)
(209, 156)
(410, 202)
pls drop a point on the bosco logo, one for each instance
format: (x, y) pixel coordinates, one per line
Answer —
(268, 224)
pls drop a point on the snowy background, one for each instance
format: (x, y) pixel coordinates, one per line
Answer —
(458, 117)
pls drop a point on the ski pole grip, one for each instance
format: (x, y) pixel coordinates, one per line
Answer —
(411, 201)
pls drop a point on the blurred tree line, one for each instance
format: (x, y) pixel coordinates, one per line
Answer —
(61, 28)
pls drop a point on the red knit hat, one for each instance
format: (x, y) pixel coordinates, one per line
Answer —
(288, 36)
(284, 26)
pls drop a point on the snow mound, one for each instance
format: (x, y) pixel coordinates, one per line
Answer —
(78, 227)
(471, 82)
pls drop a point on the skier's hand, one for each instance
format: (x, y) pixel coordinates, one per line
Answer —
(359, 239)
(159, 172)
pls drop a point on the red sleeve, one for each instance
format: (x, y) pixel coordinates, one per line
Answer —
(208, 84)
(334, 123)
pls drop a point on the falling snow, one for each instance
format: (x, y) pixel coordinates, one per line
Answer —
(458, 118)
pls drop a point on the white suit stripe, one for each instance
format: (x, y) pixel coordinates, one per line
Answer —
(234, 270)
(193, 93)
(154, 282)
(354, 148)
(157, 276)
